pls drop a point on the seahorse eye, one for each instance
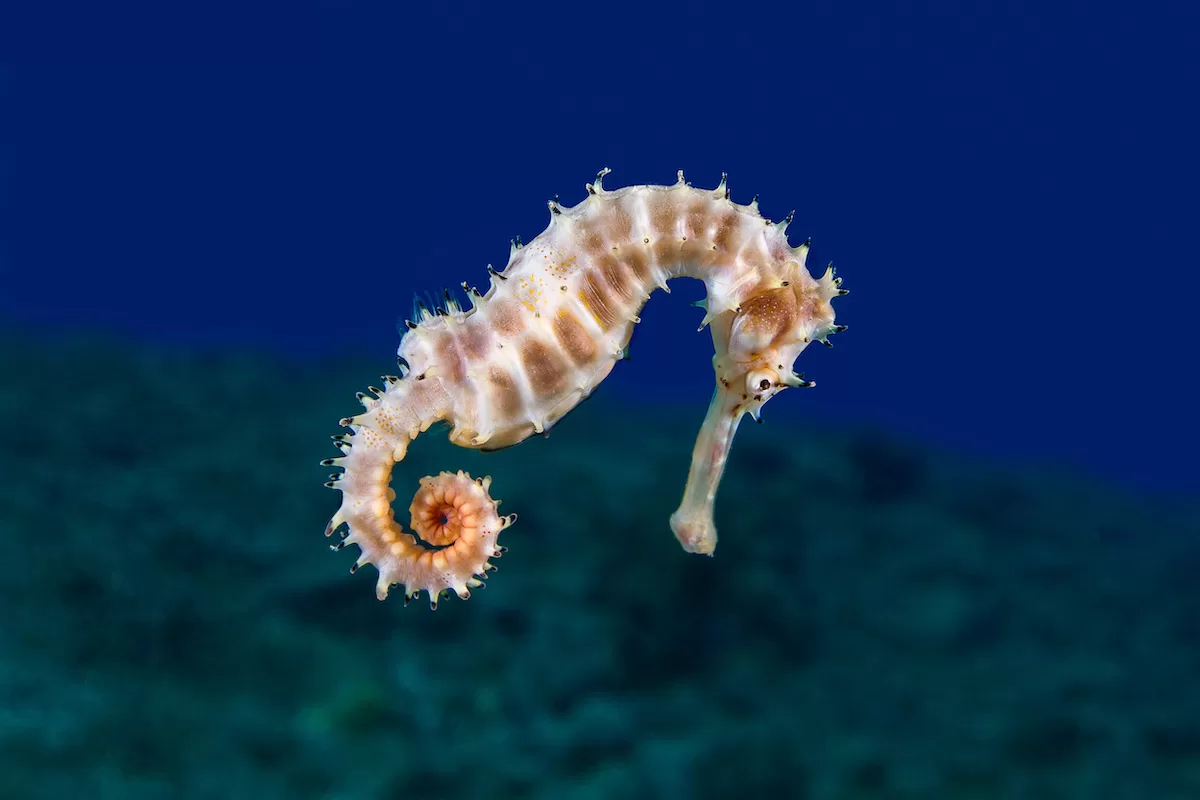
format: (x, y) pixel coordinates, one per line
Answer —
(759, 381)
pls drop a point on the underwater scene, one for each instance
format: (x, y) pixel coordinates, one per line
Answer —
(957, 560)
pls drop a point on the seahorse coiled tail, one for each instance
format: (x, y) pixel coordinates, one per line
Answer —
(549, 329)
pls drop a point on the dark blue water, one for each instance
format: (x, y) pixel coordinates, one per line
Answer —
(1007, 189)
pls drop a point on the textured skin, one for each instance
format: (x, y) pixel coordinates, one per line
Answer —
(549, 330)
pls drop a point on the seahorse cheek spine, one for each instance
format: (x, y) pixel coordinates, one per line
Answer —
(549, 329)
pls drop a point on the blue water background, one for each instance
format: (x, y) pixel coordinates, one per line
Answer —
(1008, 189)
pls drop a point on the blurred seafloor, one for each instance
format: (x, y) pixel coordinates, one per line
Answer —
(879, 621)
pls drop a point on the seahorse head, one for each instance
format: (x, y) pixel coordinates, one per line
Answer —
(766, 333)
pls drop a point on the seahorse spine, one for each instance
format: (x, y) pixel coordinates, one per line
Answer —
(550, 328)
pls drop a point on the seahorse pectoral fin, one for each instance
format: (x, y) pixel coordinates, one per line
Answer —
(692, 523)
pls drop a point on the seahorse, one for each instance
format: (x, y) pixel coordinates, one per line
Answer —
(549, 329)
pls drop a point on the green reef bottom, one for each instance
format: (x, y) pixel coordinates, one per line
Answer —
(880, 620)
